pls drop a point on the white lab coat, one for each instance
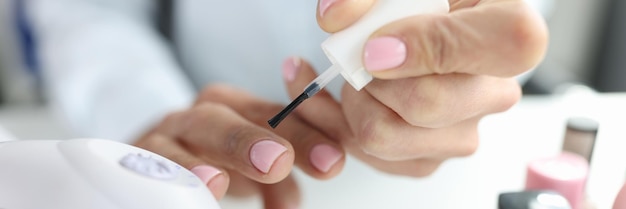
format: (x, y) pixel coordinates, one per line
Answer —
(111, 75)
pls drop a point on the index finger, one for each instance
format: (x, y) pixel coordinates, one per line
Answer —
(222, 137)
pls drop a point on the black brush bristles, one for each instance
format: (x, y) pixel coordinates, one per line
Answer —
(283, 113)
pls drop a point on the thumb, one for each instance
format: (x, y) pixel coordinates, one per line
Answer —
(322, 110)
(498, 38)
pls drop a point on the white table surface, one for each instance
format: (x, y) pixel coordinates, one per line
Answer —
(533, 128)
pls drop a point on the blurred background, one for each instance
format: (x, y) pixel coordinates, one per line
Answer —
(585, 48)
(23, 110)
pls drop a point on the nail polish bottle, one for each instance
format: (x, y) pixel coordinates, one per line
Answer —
(567, 172)
(538, 199)
(580, 136)
(344, 48)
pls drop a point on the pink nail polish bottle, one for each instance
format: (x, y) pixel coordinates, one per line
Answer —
(567, 172)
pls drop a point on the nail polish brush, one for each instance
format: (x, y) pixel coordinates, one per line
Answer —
(344, 48)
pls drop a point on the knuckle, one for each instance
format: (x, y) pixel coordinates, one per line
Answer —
(469, 147)
(238, 133)
(214, 92)
(439, 44)
(154, 141)
(427, 105)
(372, 140)
(510, 97)
(466, 142)
(207, 111)
(383, 141)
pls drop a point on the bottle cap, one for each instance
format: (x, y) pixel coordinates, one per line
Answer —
(566, 174)
(345, 48)
(580, 136)
(536, 199)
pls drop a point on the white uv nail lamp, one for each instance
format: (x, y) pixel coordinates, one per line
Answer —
(94, 174)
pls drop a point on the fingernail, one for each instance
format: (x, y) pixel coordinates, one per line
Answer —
(264, 153)
(324, 156)
(384, 53)
(205, 172)
(291, 67)
(324, 5)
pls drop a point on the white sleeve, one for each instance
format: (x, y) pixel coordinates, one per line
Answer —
(107, 71)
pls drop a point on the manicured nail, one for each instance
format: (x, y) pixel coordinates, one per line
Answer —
(205, 172)
(384, 53)
(324, 5)
(291, 67)
(324, 156)
(264, 153)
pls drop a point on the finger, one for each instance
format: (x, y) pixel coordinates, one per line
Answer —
(214, 178)
(413, 168)
(384, 134)
(322, 112)
(222, 137)
(335, 15)
(316, 154)
(437, 101)
(241, 186)
(282, 195)
(498, 38)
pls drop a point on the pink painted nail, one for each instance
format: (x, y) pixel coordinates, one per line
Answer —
(384, 53)
(205, 172)
(291, 67)
(264, 153)
(324, 5)
(324, 156)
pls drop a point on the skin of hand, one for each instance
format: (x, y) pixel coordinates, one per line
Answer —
(225, 140)
(436, 76)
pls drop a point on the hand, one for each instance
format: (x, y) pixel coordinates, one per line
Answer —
(436, 76)
(224, 138)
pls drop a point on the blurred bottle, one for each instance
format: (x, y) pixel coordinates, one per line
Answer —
(580, 136)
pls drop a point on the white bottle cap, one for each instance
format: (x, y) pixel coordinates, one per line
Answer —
(344, 48)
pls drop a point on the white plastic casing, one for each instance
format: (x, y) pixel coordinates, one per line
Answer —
(344, 49)
(95, 174)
